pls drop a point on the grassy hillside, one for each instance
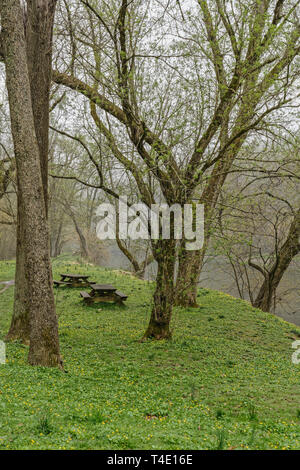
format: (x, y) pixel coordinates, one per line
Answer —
(225, 381)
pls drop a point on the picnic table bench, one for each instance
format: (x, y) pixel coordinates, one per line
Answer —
(73, 280)
(61, 283)
(103, 293)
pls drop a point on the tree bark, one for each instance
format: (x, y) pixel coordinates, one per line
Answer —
(38, 29)
(189, 268)
(44, 343)
(159, 326)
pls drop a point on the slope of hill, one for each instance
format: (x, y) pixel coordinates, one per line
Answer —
(225, 381)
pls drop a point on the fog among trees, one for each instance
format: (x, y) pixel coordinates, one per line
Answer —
(176, 102)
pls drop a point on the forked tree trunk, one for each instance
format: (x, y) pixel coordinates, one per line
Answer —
(138, 267)
(268, 288)
(159, 325)
(44, 343)
(39, 27)
(265, 296)
(284, 257)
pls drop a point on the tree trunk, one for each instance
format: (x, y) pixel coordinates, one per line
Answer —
(288, 251)
(39, 27)
(191, 262)
(189, 268)
(159, 325)
(44, 343)
(139, 268)
(82, 240)
(19, 328)
(39, 31)
(265, 295)
(57, 245)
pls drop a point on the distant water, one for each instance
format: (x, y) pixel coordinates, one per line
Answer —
(217, 275)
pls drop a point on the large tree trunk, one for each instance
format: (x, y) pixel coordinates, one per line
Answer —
(44, 343)
(39, 31)
(212, 191)
(191, 262)
(273, 276)
(159, 325)
(39, 27)
(189, 268)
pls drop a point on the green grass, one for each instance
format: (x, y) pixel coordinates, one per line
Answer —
(225, 381)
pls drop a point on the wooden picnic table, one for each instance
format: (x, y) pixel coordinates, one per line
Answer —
(73, 277)
(102, 288)
(103, 293)
(73, 280)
